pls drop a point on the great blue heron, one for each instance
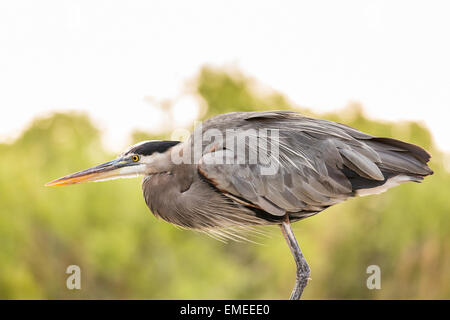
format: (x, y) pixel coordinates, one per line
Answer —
(243, 169)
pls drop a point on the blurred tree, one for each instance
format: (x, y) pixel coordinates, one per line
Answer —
(379, 230)
(124, 252)
(228, 91)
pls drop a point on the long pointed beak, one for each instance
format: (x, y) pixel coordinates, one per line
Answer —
(105, 171)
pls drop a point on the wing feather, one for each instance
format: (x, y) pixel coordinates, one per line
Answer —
(319, 162)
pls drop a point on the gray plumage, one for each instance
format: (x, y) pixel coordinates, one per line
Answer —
(225, 187)
(322, 163)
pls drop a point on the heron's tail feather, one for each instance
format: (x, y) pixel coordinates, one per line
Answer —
(401, 157)
(400, 162)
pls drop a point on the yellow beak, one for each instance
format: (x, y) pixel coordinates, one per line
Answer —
(101, 172)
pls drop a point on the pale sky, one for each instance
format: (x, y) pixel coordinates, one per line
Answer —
(105, 57)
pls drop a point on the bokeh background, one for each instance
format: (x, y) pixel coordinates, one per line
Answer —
(75, 76)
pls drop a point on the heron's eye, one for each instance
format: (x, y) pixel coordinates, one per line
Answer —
(135, 158)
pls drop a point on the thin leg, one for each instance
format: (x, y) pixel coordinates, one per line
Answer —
(302, 266)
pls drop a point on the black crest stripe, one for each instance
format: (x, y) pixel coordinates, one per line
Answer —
(151, 147)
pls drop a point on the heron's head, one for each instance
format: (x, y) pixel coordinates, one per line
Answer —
(141, 159)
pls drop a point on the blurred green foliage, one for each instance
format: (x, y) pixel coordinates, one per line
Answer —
(125, 252)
